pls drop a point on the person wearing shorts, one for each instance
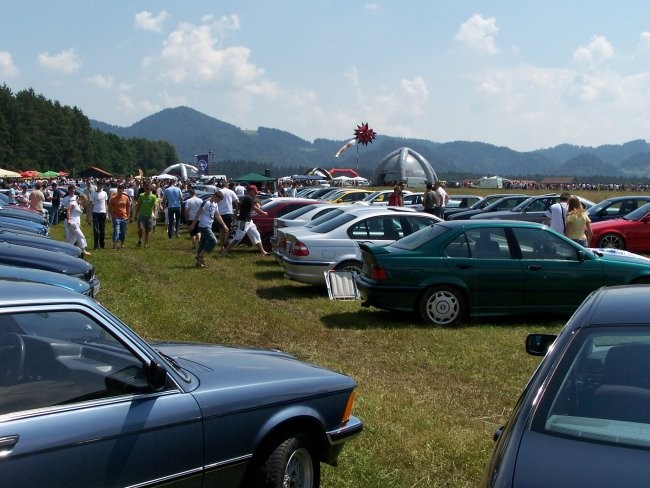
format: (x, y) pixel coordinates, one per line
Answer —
(144, 210)
(244, 226)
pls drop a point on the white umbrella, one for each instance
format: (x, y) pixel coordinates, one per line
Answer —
(5, 173)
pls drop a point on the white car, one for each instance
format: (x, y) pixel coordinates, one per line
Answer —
(310, 253)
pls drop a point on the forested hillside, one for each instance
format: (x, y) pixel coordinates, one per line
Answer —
(43, 135)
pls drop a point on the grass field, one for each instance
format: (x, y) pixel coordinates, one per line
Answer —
(430, 398)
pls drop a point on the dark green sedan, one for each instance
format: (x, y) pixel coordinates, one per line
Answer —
(487, 267)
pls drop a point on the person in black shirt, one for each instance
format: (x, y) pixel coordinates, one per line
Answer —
(244, 224)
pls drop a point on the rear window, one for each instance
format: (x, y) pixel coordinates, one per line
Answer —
(418, 238)
(294, 214)
(333, 223)
(328, 215)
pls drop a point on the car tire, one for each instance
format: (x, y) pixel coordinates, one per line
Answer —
(613, 241)
(442, 306)
(353, 266)
(291, 463)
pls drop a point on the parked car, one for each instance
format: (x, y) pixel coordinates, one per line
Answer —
(14, 273)
(10, 223)
(533, 209)
(463, 201)
(41, 242)
(631, 232)
(24, 213)
(584, 416)
(504, 203)
(348, 195)
(276, 207)
(414, 200)
(379, 197)
(333, 244)
(482, 203)
(487, 267)
(58, 262)
(87, 402)
(616, 207)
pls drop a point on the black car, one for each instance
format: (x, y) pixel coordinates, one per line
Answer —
(532, 209)
(584, 416)
(616, 207)
(482, 203)
(505, 203)
(40, 242)
(30, 257)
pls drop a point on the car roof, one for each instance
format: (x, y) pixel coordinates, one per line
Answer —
(17, 293)
(479, 223)
(623, 305)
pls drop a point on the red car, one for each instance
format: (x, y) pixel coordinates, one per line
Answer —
(276, 207)
(631, 232)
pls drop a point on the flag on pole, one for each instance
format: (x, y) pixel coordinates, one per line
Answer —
(348, 144)
(202, 163)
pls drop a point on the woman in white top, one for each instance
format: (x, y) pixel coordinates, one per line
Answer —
(73, 218)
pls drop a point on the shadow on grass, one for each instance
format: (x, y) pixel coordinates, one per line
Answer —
(364, 318)
(271, 274)
(290, 291)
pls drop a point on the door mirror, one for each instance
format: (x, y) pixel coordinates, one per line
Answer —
(539, 344)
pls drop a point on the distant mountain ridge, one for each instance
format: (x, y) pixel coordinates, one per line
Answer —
(192, 132)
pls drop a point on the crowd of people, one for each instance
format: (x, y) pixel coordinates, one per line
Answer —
(223, 218)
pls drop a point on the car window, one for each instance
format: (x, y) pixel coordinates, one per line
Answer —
(332, 223)
(377, 228)
(488, 243)
(458, 248)
(639, 212)
(60, 357)
(543, 244)
(601, 391)
(413, 223)
(541, 204)
(289, 208)
(297, 212)
(420, 238)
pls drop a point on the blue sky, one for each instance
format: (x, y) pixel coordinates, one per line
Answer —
(514, 73)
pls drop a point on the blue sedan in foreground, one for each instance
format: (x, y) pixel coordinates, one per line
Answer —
(584, 416)
(85, 402)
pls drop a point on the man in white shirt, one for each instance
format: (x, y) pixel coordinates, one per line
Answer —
(442, 198)
(98, 203)
(556, 213)
(227, 206)
(191, 208)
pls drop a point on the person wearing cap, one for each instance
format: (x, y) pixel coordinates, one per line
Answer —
(205, 217)
(244, 224)
(22, 198)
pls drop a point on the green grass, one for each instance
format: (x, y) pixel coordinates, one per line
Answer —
(430, 398)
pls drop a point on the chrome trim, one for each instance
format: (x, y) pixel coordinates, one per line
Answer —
(170, 477)
(236, 460)
(351, 429)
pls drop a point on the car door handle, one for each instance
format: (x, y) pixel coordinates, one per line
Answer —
(8, 442)
(535, 267)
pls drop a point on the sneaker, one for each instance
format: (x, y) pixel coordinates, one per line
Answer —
(138, 244)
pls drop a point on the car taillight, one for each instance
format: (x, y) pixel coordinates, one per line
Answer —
(378, 272)
(300, 249)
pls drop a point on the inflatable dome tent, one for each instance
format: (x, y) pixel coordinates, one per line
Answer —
(403, 165)
(182, 170)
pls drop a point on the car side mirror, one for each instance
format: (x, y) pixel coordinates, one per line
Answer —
(156, 376)
(539, 344)
(582, 255)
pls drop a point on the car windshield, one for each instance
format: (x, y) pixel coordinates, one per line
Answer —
(639, 213)
(523, 204)
(418, 238)
(601, 390)
(333, 223)
(372, 196)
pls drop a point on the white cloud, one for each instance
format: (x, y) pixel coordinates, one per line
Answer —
(137, 108)
(595, 53)
(478, 33)
(371, 6)
(64, 62)
(352, 75)
(7, 67)
(146, 21)
(192, 54)
(100, 81)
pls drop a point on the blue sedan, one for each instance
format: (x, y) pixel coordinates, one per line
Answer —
(85, 402)
(584, 416)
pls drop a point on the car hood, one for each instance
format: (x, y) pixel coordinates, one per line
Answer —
(246, 378)
(619, 255)
(33, 257)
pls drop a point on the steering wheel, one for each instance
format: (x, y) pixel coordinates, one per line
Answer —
(12, 358)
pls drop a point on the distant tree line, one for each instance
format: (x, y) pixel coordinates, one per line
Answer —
(42, 135)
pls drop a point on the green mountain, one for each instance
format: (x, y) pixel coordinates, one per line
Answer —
(192, 133)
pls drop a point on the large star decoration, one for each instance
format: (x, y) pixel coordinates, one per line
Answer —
(364, 134)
